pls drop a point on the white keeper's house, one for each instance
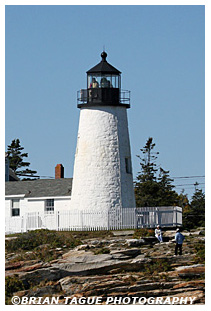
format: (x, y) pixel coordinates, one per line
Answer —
(46, 204)
(101, 193)
(40, 195)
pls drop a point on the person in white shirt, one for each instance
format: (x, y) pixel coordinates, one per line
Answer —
(158, 234)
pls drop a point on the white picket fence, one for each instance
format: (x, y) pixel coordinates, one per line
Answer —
(70, 220)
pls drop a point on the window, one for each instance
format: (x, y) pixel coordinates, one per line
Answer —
(128, 165)
(49, 206)
(15, 207)
(103, 81)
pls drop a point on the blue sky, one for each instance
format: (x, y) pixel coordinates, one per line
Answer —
(158, 49)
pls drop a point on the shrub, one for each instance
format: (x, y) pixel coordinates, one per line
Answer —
(200, 253)
(143, 232)
(156, 266)
(12, 285)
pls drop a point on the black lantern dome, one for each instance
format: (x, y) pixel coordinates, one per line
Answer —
(103, 86)
(104, 67)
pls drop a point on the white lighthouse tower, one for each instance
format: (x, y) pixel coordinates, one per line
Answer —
(102, 178)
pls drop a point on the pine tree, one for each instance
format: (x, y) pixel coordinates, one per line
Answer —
(16, 159)
(167, 196)
(148, 164)
(195, 216)
(183, 201)
(146, 187)
(150, 190)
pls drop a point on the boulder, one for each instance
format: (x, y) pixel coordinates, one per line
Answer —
(120, 256)
(82, 247)
(88, 268)
(199, 232)
(32, 267)
(88, 258)
(75, 253)
(123, 232)
(199, 284)
(197, 267)
(135, 242)
(193, 271)
(169, 233)
(37, 276)
(141, 259)
(150, 240)
(130, 252)
(93, 266)
(14, 265)
(74, 285)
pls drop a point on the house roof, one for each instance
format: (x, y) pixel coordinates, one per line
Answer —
(40, 187)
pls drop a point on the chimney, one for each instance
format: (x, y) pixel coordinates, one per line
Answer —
(59, 171)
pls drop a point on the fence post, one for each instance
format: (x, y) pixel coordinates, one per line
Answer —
(136, 219)
(37, 221)
(81, 214)
(57, 220)
(22, 223)
(108, 219)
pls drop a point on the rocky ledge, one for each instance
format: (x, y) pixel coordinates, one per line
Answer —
(116, 266)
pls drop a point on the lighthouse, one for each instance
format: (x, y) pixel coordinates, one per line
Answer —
(102, 177)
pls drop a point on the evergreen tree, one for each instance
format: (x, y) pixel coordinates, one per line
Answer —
(167, 196)
(148, 164)
(194, 215)
(183, 201)
(150, 190)
(16, 159)
(146, 186)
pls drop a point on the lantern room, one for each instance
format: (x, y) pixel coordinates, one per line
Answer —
(103, 86)
(103, 75)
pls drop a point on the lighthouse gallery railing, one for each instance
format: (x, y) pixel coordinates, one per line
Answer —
(83, 95)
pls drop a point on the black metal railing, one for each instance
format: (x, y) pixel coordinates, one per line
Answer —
(106, 96)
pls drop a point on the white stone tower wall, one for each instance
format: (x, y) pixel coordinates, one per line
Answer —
(100, 180)
(127, 189)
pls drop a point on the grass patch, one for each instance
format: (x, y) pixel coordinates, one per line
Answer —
(103, 250)
(31, 240)
(42, 244)
(85, 235)
(43, 254)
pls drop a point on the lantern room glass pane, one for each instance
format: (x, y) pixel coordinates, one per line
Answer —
(103, 81)
(93, 81)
